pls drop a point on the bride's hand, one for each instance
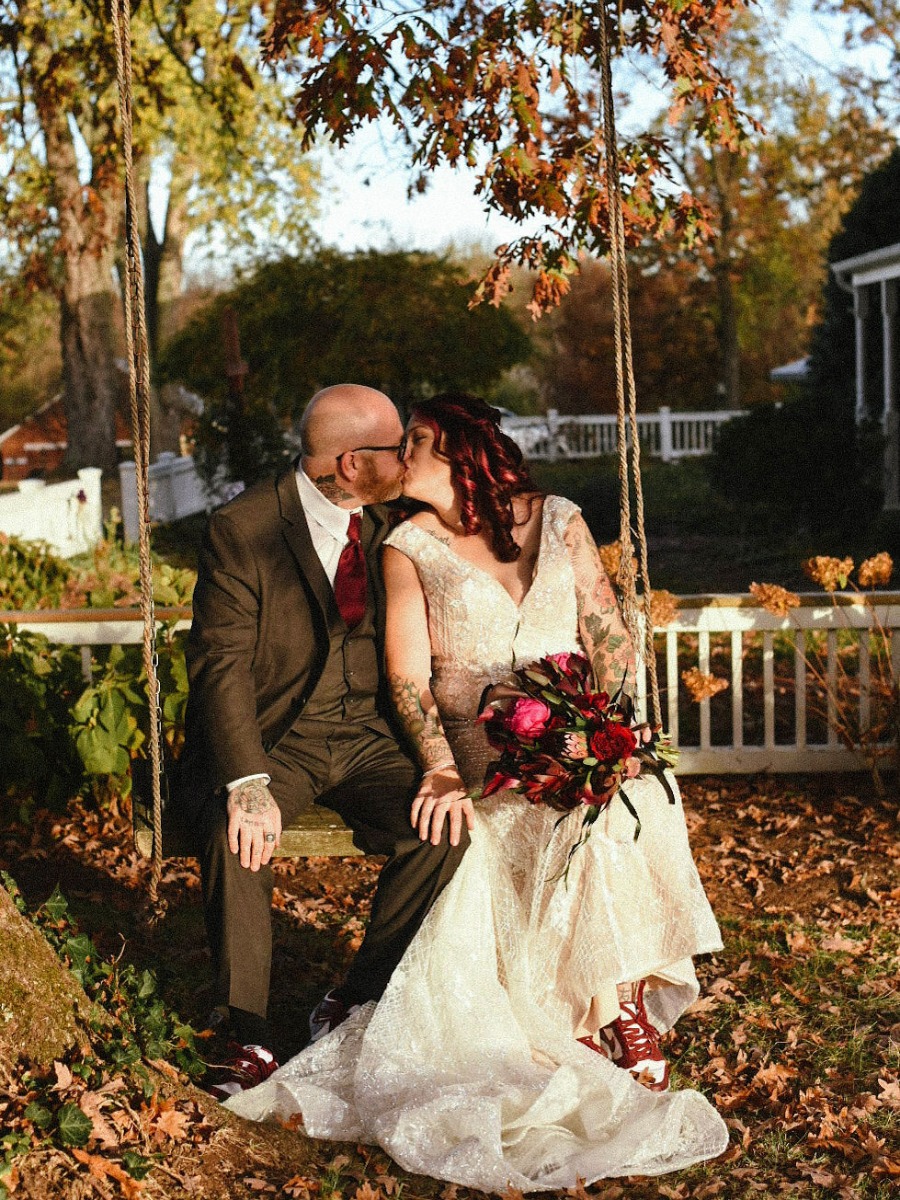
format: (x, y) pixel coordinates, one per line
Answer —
(442, 794)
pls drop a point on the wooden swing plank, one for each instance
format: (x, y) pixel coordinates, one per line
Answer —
(318, 832)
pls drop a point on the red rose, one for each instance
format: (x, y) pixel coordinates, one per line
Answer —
(613, 742)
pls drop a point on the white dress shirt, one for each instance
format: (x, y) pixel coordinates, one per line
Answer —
(328, 525)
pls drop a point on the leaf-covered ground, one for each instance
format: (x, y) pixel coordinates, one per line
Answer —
(795, 1037)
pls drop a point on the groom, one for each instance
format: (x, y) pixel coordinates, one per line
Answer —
(288, 705)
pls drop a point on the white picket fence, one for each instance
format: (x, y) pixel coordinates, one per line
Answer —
(67, 516)
(176, 490)
(664, 434)
(768, 721)
(768, 718)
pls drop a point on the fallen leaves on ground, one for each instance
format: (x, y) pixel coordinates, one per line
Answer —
(794, 1037)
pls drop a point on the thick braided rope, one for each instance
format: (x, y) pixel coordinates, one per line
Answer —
(626, 392)
(139, 396)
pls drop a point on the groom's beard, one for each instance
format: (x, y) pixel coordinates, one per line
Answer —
(375, 488)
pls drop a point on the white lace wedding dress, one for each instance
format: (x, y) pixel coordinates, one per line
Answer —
(468, 1069)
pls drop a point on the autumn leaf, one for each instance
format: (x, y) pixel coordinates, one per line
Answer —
(63, 1077)
(90, 1104)
(171, 1123)
(103, 1168)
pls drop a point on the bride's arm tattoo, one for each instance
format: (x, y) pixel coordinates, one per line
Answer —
(420, 719)
(600, 623)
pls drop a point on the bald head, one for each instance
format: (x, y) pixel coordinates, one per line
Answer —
(350, 437)
(347, 415)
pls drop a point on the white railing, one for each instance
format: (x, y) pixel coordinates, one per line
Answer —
(67, 516)
(773, 716)
(176, 490)
(664, 434)
(779, 711)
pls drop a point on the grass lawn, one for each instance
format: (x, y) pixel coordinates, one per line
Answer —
(795, 1037)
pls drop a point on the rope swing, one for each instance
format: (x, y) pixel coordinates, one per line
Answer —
(626, 398)
(137, 348)
(138, 357)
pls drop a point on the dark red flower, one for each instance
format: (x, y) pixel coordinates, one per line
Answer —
(614, 741)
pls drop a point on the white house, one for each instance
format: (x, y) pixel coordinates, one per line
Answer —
(867, 277)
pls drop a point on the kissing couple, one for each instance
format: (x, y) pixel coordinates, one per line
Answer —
(500, 1025)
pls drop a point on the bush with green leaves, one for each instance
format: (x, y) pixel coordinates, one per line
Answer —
(39, 683)
(31, 575)
(61, 734)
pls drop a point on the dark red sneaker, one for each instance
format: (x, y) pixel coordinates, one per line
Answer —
(330, 1012)
(243, 1067)
(632, 1042)
(598, 1048)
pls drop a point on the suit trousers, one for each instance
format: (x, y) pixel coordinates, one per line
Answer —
(366, 778)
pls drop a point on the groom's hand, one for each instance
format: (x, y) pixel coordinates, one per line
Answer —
(254, 823)
(442, 795)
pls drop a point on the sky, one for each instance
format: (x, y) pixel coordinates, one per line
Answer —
(364, 202)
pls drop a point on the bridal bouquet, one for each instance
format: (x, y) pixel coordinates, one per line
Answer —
(564, 745)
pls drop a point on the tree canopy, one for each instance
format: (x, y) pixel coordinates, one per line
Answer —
(394, 320)
(511, 90)
(210, 132)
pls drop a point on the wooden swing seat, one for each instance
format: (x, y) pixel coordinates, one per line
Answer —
(318, 832)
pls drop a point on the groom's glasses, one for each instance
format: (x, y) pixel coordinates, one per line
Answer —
(399, 449)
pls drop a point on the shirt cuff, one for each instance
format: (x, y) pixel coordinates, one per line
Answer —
(229, 787)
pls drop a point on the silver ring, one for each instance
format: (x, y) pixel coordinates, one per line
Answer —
(270, 837)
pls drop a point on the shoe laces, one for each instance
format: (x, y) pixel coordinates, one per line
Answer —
(636, 1031)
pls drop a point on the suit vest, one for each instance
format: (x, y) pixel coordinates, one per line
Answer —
(348, 686)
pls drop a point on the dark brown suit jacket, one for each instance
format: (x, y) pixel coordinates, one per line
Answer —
(263, 609)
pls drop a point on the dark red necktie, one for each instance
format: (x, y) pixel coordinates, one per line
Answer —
(350, 577)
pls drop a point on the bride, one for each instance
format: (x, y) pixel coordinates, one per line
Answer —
(517, 1043)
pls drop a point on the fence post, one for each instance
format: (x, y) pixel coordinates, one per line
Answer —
(90, 518)
(162, 490)
(665, 433)
(129, 501)
(552, 431)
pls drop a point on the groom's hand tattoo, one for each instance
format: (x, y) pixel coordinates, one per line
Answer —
(252, 797)
(423, 725)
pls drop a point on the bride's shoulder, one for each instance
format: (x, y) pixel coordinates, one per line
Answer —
(551, 506)
(406, 532)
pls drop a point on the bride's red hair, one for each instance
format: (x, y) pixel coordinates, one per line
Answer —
(487, 466)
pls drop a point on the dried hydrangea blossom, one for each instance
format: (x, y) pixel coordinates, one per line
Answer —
(828, 573)
(663, 609)
(611, 557)
(702, 686)
(774, 598)
(876, 571)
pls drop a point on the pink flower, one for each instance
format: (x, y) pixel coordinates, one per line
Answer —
(632, 768)
(527, 718)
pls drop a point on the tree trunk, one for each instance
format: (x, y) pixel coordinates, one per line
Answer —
(163, 274)
(729, 346)
(723, 167)
(42, 1006)
(89, 303)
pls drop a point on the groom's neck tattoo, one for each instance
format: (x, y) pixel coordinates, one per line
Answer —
(331, 489)
(422, 725)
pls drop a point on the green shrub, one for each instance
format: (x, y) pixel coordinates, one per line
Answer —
(31, 575)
